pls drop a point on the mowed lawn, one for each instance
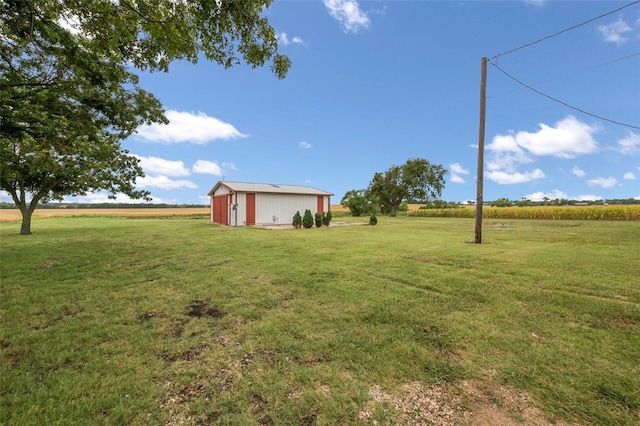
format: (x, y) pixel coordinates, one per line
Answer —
(107, 320)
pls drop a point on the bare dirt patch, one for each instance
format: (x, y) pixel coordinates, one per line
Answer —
(495, 405)
(474, 403)
(201, 308)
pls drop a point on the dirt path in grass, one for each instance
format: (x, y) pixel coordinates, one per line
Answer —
(474, 404)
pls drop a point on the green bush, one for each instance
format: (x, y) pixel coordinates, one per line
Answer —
(318, 218)
(439, 204)
(307, 219)
(502, 202)
(359, 202)
(297, 220)
(326, 218)
(373, 220)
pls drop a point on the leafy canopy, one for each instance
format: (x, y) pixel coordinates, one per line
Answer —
(417, 179)
(68, 96)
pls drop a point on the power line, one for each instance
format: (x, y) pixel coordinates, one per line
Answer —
(561, 102)
(617, 60)
(565, 30)
(612, 61)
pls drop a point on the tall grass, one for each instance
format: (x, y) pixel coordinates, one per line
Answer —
(116, 321)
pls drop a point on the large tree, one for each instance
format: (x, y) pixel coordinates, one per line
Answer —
(68, 96)
(416, 179)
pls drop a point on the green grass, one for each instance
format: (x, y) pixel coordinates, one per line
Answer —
(153, 321)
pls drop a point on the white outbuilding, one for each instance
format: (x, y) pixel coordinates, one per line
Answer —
(242, 203)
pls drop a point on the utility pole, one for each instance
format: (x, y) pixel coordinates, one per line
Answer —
(480, 178)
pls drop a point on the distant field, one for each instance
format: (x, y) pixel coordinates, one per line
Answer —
(105, 320)
(602, 212)
(631, 212)
(13, 215)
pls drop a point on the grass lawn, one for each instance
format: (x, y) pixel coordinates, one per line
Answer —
(107, 320)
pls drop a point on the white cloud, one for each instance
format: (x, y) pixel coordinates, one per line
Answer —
(506, 154)
(103, 197)
(538, 3)
(5, 197)
(614, 32)
(556, 194)
(602, 182)
(155, 165)
(569, 138)
(285, 40)
(230, 166)
(456, 171)
(505, 178)
(629, 176)
(304, 145)
(94, 198)
(206, 167)
(578, 171)
(163, 182)
(348, 13)
(504, 143)
(630, 144)
(70, 23)
(587, 197)
(188, 127)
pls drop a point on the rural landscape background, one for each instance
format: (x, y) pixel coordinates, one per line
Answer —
(159, 318)
(153, 315)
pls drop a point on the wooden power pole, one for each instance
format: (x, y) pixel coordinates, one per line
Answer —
(480, 178)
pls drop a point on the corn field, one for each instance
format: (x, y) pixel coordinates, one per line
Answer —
(617, 212)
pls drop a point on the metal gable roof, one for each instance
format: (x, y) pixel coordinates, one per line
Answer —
(268, 188)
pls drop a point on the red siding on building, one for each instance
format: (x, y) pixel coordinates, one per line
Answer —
(251, 208)
(320, 208)
(220, 210)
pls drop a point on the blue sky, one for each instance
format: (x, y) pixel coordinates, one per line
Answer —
(375, 83)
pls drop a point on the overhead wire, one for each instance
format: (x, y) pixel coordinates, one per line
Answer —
(565, 30)
(494, 62)
(561, 102)
(602, 64)
(617, 60)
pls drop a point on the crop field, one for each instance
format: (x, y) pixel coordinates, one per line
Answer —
(13, 215)
(603, 212)
(164, 320)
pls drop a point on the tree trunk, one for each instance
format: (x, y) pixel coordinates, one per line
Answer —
(25, 229)
(393, 211)
(27, 210)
